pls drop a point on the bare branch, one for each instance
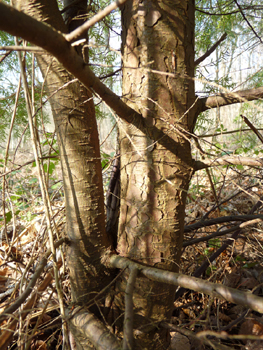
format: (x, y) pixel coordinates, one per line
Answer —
(213, 235)
(216, 290)
(210, 51)
(98, 17)
(21, 48)
(229, 98)
(225, 133)
(221, 220)
(227, 160)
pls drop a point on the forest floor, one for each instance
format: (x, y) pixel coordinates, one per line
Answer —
(226, 195)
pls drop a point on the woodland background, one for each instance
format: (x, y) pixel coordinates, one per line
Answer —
(218, 200)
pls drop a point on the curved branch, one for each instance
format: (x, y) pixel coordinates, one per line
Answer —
(84, 324)
(216, 290)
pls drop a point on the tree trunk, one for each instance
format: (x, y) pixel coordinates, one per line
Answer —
(154, 181)
(74, 117)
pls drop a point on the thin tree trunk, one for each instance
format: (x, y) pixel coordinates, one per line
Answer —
(74, 117)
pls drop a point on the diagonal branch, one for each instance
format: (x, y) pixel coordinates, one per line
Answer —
(19, 24)
(95, 19)
(211, 50)
(248, 122)
(249, 24)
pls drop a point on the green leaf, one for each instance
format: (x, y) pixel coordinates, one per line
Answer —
(51, 168)
(240, 167)
(33, 180)
(55, 186)
(8, 216)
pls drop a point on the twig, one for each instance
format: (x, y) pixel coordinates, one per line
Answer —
(110, 74)
(101, 292)
(12, 308)
(7, 334)
(221, 220)
(190, 334)
(220, 233)
(201, 269)
(212, 187)
(205, 217)
(111, 130)
(249, 24)
(5, 56)
(42, 182)
(128, 315)
(236, 321)
(95, 19)
(260, 137)
(5, 162)
(225, 133)
(227, 160)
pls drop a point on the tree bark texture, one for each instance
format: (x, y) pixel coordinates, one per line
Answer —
(74, 117)
(154, 181)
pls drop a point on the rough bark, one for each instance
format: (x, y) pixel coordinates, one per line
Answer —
(154, 181)
(75, 123)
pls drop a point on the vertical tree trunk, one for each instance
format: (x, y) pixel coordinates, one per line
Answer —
(154, 181)
(75, 123)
